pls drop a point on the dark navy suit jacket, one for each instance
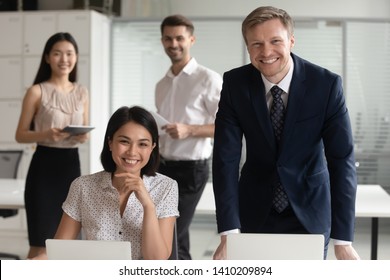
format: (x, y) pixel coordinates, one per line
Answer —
(315, 161)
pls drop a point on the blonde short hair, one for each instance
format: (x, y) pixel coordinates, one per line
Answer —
(262, 14)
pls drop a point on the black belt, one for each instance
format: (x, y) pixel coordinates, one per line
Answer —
(183, 162)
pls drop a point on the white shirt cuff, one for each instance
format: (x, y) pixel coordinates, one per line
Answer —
(236, 230)
(341, 242)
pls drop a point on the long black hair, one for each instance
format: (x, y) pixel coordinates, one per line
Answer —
(44, 70)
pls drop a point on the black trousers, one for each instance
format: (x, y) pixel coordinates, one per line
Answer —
(191, 177)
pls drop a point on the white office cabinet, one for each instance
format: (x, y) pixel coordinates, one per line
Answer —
(38, 27)
(83, 72)
(30, 68)
(78, 23)
(11, 27)
(11, 75)
(10, 111)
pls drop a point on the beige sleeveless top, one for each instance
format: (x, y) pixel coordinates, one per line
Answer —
(59, 109)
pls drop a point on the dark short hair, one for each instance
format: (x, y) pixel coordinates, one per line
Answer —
(44, 70)
(177, 20)
(263, 14)
(121, 117)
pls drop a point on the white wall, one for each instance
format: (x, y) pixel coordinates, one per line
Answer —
(240, 8)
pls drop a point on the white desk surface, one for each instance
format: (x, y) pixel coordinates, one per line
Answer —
(11, 193)
(371, 201)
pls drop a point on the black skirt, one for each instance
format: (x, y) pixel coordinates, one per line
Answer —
(50, 174)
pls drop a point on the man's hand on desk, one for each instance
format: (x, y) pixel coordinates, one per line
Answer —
(220, 253)
(345, 252)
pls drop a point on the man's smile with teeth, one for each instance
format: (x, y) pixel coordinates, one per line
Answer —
(269, 61)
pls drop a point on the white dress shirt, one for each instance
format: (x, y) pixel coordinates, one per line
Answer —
(192, 98)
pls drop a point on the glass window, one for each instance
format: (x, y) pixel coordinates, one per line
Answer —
(368, 88)
(357, 51)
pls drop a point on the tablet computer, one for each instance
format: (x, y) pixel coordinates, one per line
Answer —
(77, 129)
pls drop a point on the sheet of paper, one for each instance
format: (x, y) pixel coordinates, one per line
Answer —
(160, 122)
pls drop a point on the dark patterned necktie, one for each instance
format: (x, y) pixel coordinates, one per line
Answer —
(277, 112)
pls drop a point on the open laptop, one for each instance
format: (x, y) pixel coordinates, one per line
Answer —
(259, 246)
(60, 249)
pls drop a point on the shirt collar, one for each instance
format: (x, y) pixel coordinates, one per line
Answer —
(284, 84)
(107, 179)
(188, 69)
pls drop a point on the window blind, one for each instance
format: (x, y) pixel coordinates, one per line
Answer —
(368, 86)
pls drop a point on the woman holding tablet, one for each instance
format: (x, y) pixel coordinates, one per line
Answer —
(54, 101)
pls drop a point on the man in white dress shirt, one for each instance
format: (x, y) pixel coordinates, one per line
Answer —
(187, 96)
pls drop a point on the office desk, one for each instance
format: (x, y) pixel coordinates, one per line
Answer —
(372, 201)
(11, 193)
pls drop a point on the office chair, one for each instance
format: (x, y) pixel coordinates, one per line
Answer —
(9, 164)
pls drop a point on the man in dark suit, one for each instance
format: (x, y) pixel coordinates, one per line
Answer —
(298, 143)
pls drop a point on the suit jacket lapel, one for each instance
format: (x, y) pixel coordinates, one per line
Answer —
(257, 93)
(297, 92)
